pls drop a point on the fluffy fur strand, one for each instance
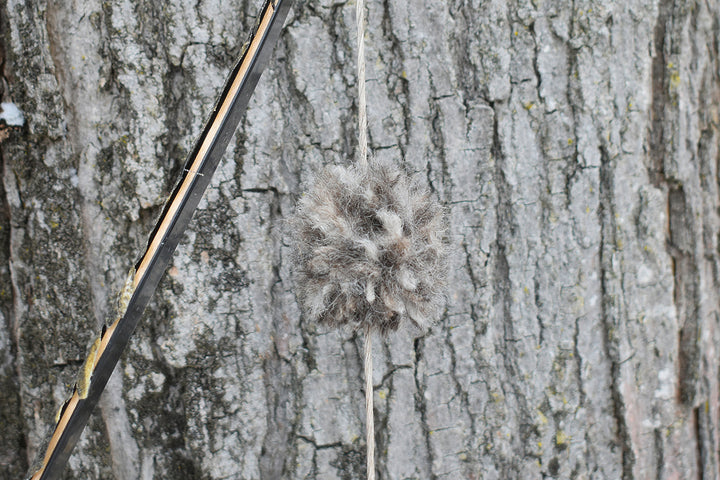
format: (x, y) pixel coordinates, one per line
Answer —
(370, 249)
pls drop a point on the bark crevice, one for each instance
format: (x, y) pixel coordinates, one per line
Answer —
(610, 312)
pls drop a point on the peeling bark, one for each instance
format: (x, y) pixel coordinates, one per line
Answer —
(575, 144)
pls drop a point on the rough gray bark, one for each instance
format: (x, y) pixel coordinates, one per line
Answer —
(574, 142)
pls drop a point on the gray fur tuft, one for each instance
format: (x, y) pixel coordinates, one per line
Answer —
(370, 249)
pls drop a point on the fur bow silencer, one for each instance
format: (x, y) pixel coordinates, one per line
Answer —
(371, 249)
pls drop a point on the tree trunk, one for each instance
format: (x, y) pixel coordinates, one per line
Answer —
(575, 144)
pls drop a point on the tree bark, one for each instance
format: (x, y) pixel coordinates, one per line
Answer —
(575, 144)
